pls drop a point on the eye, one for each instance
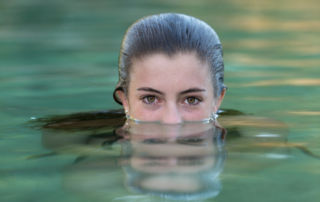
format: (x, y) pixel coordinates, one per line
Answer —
(192, 141)
(154, 141)
(192, 101)
(149, 99)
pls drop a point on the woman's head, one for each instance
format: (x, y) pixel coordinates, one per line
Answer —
(166, 55)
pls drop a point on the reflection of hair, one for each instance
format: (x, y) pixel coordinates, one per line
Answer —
(209, 179)
(169, 34)
(81, 121)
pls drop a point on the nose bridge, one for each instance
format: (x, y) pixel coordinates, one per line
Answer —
(171, 114)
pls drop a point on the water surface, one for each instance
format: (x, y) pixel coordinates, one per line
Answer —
(60, 58)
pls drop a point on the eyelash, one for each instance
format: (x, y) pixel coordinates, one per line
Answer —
(198, 100)
(144, 99)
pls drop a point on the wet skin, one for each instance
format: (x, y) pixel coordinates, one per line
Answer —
(170, 90)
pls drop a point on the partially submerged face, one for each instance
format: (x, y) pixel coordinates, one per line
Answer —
(170, 89)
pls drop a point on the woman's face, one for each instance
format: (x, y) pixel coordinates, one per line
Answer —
(170, 90)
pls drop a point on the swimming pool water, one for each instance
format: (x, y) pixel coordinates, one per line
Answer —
(61, 57)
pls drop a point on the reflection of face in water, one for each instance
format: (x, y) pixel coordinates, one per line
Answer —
(174, 162)
(169, 161)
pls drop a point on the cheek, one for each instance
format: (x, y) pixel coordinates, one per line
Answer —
(141, 111)
(202, 112)
(147, 115)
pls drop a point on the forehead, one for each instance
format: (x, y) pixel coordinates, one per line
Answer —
(159, 70)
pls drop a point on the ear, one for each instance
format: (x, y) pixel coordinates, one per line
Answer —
(123, 99)
(219, 101)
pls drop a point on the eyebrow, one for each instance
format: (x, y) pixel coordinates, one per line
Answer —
(150, 90)
(191, 90)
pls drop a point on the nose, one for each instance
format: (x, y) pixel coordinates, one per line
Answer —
(171, 115)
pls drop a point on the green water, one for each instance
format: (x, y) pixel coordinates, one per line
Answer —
(60, 57)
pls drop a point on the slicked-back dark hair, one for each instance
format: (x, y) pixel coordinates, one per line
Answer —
(169, 34)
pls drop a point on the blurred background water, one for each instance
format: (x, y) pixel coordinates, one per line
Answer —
(60, 57)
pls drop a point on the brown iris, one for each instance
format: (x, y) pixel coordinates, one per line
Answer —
(151, 99)
(191, 100)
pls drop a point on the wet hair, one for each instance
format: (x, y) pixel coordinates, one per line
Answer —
(169, 34)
